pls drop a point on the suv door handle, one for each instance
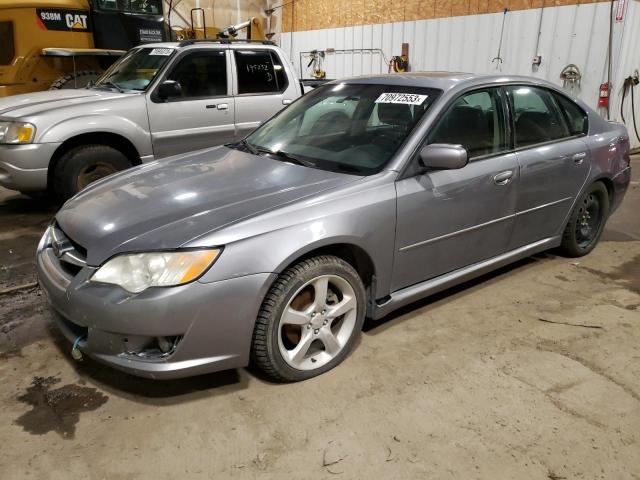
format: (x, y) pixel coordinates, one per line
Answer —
(286, 101)
(503, 178)
(223, 106)
(578, 158)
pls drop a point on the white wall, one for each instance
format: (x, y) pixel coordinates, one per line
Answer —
(575, 34)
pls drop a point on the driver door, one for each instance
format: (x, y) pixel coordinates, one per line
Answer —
(448, 219)
(203, 115)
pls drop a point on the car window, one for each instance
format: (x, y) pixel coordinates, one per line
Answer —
(475, 121)
(332, 114)
(201, 74)
(345, 127)
(259, 72)
(574, 115)
(136, 69)
(537, 118)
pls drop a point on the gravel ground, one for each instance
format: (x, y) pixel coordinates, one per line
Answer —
(530, 372)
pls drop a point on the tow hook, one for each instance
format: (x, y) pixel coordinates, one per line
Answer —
(75, 351)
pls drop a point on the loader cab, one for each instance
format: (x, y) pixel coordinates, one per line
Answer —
(123, 24)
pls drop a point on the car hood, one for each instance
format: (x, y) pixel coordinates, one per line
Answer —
(30, 104)
(164, 204)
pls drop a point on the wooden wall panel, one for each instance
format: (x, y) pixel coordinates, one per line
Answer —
(320, 14)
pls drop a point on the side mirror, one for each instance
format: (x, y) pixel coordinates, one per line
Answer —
(443, 156)
(169, 89)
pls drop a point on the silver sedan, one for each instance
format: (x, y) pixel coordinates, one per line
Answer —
(361, 197)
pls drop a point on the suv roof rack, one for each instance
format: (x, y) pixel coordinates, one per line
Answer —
(224, 41)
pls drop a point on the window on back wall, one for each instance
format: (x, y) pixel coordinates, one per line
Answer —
(7, 51)
(259, 71)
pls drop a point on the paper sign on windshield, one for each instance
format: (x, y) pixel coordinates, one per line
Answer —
(165, 52)
(405, 98)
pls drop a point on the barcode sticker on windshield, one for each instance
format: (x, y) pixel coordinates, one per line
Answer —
(165, 52)
(405, 98)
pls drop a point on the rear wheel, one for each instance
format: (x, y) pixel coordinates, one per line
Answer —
(83, 165)
(586, 222)
(309, 320)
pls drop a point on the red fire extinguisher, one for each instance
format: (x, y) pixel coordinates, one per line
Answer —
(603, 99)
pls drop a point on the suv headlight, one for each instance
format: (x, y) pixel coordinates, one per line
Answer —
(136, 272)
(17, 132)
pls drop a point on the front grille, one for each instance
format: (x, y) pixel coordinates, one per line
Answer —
(72, 255)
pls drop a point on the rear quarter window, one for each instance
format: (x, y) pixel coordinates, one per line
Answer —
(7, 49)
(574, 115)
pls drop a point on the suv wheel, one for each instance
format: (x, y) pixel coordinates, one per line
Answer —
(83, 165)
(309, 320)
(586, 222)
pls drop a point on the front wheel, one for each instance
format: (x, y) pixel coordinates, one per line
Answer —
(309, 320)
(83, 165)
(586, 222)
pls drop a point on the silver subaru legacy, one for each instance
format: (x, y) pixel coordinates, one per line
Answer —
(359, 198)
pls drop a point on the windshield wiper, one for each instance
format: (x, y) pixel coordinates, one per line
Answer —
(287, 156)
(248, 146)
(109, 83)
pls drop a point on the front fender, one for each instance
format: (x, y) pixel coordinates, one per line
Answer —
(362, 215)
(65, 129)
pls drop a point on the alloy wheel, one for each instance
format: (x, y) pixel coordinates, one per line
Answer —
(317, 322)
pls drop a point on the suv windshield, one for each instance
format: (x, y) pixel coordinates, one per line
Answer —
(345, 127)
(135, 69)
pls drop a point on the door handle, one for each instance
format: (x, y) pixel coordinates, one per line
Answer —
(578, 158)
(286, 102)
(503, 178)
(223, 106)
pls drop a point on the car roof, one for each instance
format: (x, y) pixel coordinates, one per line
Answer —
(204, 43)
(443, 80)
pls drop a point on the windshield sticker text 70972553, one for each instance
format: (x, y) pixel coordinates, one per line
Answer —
(405, 98)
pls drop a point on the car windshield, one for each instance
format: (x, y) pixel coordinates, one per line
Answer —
(135, 69)
(353, 128)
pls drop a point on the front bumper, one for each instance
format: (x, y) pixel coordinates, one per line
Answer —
(214, 321)
(24, 167)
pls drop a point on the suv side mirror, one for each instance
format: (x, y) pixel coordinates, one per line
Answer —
(169, 89)
(443, 156)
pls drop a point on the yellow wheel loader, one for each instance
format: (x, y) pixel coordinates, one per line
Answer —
(54, 44)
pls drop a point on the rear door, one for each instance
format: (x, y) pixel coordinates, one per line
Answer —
(448, 219)
(553, 157)
(262, 88)
(203, 115)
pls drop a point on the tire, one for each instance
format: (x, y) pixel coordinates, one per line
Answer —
(79, 79)
(321, 339)
(586, 222)
(83, 165)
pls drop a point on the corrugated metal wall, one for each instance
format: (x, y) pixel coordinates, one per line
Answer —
(575, 34)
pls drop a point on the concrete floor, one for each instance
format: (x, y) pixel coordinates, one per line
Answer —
(476, 382)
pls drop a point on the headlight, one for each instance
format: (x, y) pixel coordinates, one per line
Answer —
(16, 132)
(136, 272)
